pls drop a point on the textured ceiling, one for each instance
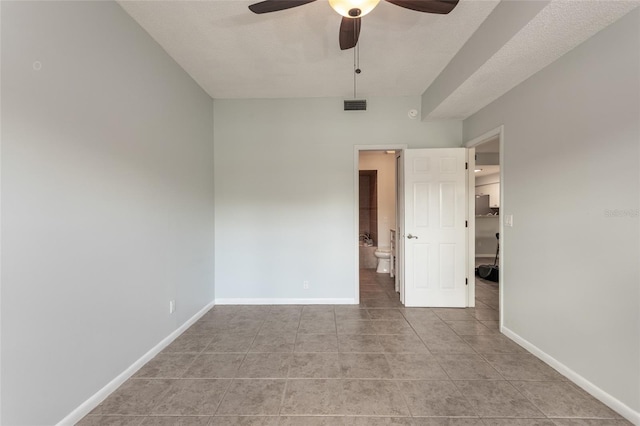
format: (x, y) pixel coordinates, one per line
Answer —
(233, 53)
(558, 28)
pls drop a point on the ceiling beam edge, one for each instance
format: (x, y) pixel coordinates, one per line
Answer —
(504, 22)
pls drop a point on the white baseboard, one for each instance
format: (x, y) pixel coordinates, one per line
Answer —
(86, 407)
(607, 399)
(491, 255)
(286, 302)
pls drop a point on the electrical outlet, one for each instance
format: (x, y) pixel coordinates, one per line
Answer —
(172, 306)
(305, 285)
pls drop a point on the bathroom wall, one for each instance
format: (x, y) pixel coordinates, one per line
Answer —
(368, 204)
(385, 165)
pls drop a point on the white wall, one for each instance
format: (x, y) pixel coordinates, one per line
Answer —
(284, 194)
(487, 179)
(571, 155)
(385, 165)
(107, 202)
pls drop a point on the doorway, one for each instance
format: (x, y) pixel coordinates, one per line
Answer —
(486, 230)
(375, 222)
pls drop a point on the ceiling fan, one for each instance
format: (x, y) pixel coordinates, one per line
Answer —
(353, 10)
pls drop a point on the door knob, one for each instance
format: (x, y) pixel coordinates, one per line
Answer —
(412, 236)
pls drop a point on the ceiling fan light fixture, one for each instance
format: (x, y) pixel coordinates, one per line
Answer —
(343, 7)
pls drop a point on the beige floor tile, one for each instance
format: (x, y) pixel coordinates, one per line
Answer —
(591, 422)
(522, 366)
(365, 366)
(435, 330)
(311, 421)
(378, 421)
(373, 364)
(230, 342)
(313, 397)
(373, 398)
(215, 366)
(494, 398)
(359, 314)
(316, 343)
(449, 345)
(134, 397)
(415, 367)
(486, 314)
(274, 343)
(244, 421)
(189, 343)
(265, 365)
(493, 344)
(453, 314)
(495, 325)
(273, 328)
(255, 397)
(315, 365)
(562, 399)
(284, 313)
(380, 303)
(308, 326)
(420, 316)
(398, 343)
(166, 365)
(359, 343)
(356, 327)
(192, 397)
(92, 420)
(518, 422)
(447, 421)
(385, 314)
(470, 328)
(435, 398)
(393, 327)
(243, 326)
(176, 421)
(467, 367)
(351, 313)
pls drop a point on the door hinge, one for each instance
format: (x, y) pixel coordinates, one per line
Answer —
(466, 166)
(466, 223)
(466, 281)
(475, 157)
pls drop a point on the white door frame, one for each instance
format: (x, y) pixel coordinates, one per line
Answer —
(356, 204)
(499, 132)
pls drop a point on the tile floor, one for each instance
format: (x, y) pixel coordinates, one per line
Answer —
(373, 364)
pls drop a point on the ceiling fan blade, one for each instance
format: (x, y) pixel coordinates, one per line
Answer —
(430, 6)
(349, 32)
(276, 5)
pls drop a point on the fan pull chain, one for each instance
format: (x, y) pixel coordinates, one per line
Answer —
(356, 62)
(355, 74)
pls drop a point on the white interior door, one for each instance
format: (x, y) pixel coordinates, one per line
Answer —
(434, 234)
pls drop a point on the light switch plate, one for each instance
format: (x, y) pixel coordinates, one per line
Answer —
(508, 220)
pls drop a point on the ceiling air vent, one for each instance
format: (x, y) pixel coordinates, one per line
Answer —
(355, 105)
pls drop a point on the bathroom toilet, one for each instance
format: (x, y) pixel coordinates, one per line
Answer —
(383, 260)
